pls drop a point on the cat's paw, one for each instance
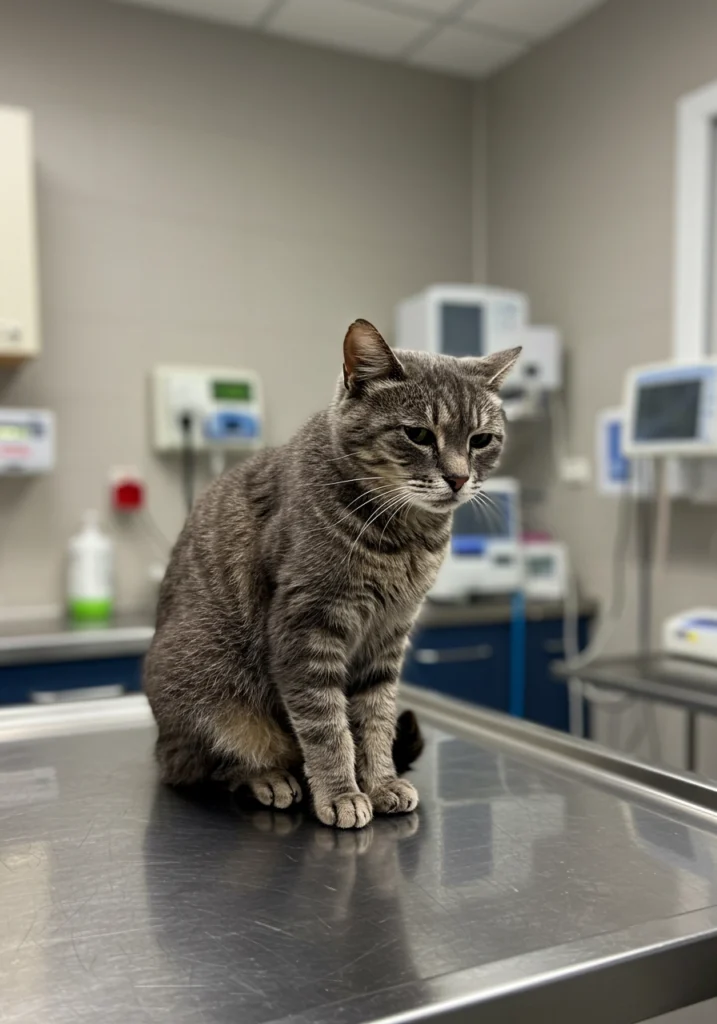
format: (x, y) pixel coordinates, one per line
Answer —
(348, 810)
(395, 797)
(276, 789)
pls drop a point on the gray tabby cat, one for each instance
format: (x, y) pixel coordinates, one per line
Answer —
(289, 596)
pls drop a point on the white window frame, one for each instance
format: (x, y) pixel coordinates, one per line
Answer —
(695, 220)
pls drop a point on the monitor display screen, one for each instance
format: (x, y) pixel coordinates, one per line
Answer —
(669, 411)
(232, 391)
(12, 432)
(541, 565)
(474, 524)
(461, 329)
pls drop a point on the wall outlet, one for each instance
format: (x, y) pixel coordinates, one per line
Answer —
(575, 470)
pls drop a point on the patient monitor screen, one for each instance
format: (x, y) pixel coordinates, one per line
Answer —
(667, 412)
(461, 329)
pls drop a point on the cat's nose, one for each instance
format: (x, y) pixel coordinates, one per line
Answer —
(455, 482)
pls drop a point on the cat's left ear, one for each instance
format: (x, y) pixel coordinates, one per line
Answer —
(496, 367)
(367, 357)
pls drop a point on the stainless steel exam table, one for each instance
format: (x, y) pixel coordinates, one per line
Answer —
(542, 879)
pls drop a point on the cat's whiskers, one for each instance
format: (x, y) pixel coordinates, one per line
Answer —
(486, 503)
(352, 480)
(406, 503)
(375, 494)
(374, 515)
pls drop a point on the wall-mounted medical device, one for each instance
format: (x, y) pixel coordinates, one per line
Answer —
(27, 441)
(545, 570)
(460, 320)
(538, 371)
(224, 408)
(671, 409)
(485, 554)
(614, 469)
(694, 480)
(475, 320)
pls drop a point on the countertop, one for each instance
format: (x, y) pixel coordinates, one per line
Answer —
(541, 879)
(130, 635)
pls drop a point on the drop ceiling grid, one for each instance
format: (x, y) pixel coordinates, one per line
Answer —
(471, 38)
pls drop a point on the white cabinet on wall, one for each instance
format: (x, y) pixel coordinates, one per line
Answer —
(19, 318)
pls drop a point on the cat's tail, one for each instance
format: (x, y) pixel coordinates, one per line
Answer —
(408, 744)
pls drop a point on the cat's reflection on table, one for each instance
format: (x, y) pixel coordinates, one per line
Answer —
(268, 907)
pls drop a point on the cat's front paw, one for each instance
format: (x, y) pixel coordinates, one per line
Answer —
(395, 797)
(276, 789)
(347, 810)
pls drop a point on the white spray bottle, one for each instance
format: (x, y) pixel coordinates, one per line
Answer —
(90, 572)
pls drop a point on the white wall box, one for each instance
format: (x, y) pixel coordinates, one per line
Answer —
(19, 317)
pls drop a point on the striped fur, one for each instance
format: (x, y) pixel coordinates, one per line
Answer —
(285, 609)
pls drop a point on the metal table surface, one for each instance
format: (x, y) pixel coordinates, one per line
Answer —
(541, 879)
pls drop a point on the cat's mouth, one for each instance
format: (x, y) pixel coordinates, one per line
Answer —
(446, 502)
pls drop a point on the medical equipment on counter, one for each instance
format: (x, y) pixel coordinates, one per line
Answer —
(221, 408)
(545, 570)
(692, 633)
(90, 572)
(474, 320)
(27, 441)
(485, 551)
(671, 409)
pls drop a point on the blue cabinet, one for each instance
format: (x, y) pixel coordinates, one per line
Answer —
(473, 663)
(546, 700)
(20, 684)
(463, 661)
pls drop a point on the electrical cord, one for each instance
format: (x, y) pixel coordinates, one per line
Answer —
(575, 661)
(578, 690)
(189, 462)
(618, 596)
(154, 531)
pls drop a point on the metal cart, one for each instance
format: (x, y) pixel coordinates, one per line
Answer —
(542, 879)
(661, 677)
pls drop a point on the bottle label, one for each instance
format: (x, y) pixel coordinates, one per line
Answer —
(90, 578)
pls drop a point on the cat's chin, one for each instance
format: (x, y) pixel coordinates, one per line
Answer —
(441, 506)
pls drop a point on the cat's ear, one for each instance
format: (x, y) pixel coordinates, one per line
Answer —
(367, 356)
(496, 367)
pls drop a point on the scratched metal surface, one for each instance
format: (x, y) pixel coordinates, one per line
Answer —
(126, 904)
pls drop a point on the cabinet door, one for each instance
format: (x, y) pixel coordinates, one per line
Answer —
(546, 699)
(470, 663)
(21, 684)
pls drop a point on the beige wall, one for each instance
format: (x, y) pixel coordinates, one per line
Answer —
(206, 195)
(580, 178)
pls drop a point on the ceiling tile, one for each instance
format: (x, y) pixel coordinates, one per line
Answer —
(347, 25)
(236, 12)
(466, 52)
(530, 17)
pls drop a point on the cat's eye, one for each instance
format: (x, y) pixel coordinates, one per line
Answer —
(420, 435)
(480, 440)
